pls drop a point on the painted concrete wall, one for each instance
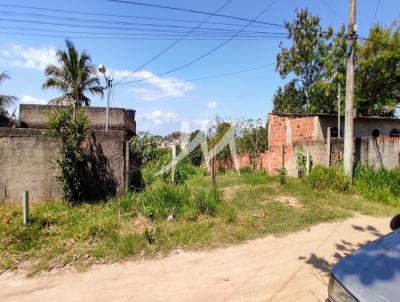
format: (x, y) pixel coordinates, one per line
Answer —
(25, 163)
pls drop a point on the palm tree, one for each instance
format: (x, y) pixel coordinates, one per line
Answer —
(5, 100)
(74, 77)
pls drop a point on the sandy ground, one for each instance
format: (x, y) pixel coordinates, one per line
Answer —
(290, 268)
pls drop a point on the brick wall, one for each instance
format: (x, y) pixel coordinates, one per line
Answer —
(283, 132)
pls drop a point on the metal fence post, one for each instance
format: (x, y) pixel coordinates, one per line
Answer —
(26, 207)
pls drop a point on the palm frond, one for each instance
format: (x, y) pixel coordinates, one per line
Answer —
(6, 100)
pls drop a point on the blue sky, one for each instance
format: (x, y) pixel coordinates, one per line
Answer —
(162, 104)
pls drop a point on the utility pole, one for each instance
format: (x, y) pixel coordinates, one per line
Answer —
(349, 131)
(338, 110)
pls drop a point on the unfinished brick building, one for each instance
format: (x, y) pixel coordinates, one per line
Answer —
(377, 140)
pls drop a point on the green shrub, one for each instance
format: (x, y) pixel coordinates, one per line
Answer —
(334, 179)
(246, 170)
(378, 184)
(282, 174)
(72, 159)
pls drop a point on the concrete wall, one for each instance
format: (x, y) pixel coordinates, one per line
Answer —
(25, 163)
(381, 152)
(363, 126)
(36, 116)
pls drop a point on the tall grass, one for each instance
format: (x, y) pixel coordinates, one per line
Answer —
(329, 179)
(378, 184)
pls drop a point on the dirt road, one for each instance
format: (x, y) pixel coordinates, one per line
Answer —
(289, 268)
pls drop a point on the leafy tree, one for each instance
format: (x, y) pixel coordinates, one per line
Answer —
(74, 77)
(144, 147)
(5, 100)
(304, 59)
(72, 161)
(378, 72)
(289, 99)
(196, 156)
(253, 141)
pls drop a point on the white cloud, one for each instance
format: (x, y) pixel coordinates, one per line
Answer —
(159, 117)
(27, 99)
(157, 87)
(29, 57)
(211, 104)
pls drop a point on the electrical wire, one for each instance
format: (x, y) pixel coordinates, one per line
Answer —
(204, 35)
(376, 12)
(120, 16)
(175, 43)
(221, 31)
(193, 11)
(41, 16)
(223, 75)
(211, 50)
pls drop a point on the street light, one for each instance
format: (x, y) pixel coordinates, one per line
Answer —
(102, 69)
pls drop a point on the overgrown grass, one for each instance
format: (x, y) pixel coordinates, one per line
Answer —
(135, 225)
(380, 185)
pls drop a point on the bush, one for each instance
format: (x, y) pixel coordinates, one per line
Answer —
(161, 202)
(72, 159)
(378, 184)
(334, 179)
(156, 170)
(246, 170)
(282, 173)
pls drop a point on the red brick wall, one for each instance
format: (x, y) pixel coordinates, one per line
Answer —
(302, 128)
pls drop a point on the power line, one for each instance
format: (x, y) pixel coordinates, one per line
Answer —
(12, 13)
(175, 43)
(133, 38)
(119, 16)
(376, 11)
(331, 9)
(210, 77)
(193, 11)
(170, 35)
(221, 31)
(213, 49)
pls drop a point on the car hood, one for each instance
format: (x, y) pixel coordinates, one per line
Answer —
(372, 273)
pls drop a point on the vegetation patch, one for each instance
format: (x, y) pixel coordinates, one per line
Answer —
(167, 217)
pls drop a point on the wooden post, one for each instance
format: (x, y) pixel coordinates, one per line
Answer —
(26, 207)
(308, 162)
(173, 148)
(213, 170)
(283, 156)
(328, 147)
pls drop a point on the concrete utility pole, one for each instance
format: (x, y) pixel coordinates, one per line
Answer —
(338, 111)
(348, 127)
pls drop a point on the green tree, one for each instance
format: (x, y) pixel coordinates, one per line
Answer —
(196, 156)
(144, 147)
(74, 77)
(378, 72)
(5, 100)
(305, 57)
(316, 57)
(72, 160)
(253, 141)
(289, 99)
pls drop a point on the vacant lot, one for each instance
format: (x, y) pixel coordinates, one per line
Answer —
(284, 269)
(166, 218)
